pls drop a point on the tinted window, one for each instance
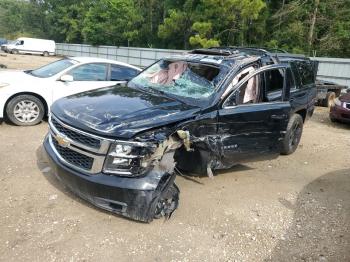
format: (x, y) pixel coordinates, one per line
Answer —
(295, 71)
(290, 79)
(89, 72)
(274, 80)
(122, 73)
(305, 70)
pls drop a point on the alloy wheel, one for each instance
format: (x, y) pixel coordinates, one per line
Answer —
(26, 111)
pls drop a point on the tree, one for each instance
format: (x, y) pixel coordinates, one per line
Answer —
(112, 22)
(67, 17)
(300, 26)
(21, 18)
(176, 28)
(311, 27)
(208, 23)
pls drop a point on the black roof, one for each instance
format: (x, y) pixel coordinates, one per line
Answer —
(229, 51)
(228, 57)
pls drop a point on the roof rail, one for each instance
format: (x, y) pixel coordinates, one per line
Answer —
(247, 50)
(259, 51)
(203, 51)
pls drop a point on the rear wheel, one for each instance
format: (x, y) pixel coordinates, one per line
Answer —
(25, 110)
(46, 53)
(293, 135)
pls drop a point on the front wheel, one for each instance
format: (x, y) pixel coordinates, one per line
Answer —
(46, 54)
(14, 52)
(293, 135)
(168, 202)
(25, 110)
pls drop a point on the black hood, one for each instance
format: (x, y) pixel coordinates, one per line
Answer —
(120, 111)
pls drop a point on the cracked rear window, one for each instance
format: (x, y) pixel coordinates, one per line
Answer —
(181, 78)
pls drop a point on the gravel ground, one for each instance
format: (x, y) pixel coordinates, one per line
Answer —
(294, 208)
(25, 61)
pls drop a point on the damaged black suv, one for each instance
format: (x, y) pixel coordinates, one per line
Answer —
(120, 147)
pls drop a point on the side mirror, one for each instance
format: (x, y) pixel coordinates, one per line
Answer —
(67, 78)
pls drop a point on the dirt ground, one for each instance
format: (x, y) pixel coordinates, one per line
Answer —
(294, 208)
(25, 61)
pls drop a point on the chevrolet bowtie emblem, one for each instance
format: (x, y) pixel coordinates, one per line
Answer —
(62, 140)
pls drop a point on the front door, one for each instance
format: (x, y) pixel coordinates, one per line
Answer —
(85, 77)
(254, 118)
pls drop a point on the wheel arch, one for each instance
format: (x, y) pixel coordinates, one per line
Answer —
(42, 99)
(302, 113)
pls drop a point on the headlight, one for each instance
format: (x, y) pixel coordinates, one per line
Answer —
(3, 84)
(129, 159)
(337, 102)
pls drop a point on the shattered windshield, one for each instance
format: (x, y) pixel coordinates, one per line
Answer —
(180, 78)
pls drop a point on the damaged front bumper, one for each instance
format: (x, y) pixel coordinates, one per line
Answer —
(136, 198)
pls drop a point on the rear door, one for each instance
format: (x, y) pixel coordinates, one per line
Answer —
(303, 95)
(253, 129)
(120, 73)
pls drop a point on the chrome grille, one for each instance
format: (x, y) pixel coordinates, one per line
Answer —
(75, 136)
(77, 149)
(73, 157)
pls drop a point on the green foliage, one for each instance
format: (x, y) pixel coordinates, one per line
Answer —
(21, 18)
(202, 39)
(111, 22)
(302, 26)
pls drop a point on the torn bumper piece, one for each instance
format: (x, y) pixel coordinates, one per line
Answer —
(135, 198)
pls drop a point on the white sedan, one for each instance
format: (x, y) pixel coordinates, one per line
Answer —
(26, 96)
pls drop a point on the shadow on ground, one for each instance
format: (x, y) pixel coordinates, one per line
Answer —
(43, 164)
(321, 224)
(46, 170)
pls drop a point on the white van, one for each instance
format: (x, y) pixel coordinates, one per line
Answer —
(24, 45)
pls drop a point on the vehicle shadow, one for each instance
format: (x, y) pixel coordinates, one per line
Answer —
(221, 172)
(43, 165)
(321, 223)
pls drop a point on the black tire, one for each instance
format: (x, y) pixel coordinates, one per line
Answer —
(293, 135)
(332, 119)
(25, 110)
(329, 101)
(14, 52)
(168, 203)
(46, 53)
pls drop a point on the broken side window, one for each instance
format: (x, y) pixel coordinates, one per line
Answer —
(274, 83)
(266, 86)
(274, 80)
